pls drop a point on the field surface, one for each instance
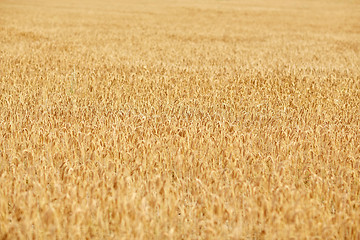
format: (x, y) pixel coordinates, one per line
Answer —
(179, 119)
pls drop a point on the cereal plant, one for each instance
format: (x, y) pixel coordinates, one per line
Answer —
(179, 119)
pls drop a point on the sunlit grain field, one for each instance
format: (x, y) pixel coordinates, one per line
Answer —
(179, 119)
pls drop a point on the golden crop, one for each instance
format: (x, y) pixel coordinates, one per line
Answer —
(179, 119)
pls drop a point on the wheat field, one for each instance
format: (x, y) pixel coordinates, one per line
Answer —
(179, 119)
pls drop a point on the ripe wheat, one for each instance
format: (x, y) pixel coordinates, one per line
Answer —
(179, 119)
